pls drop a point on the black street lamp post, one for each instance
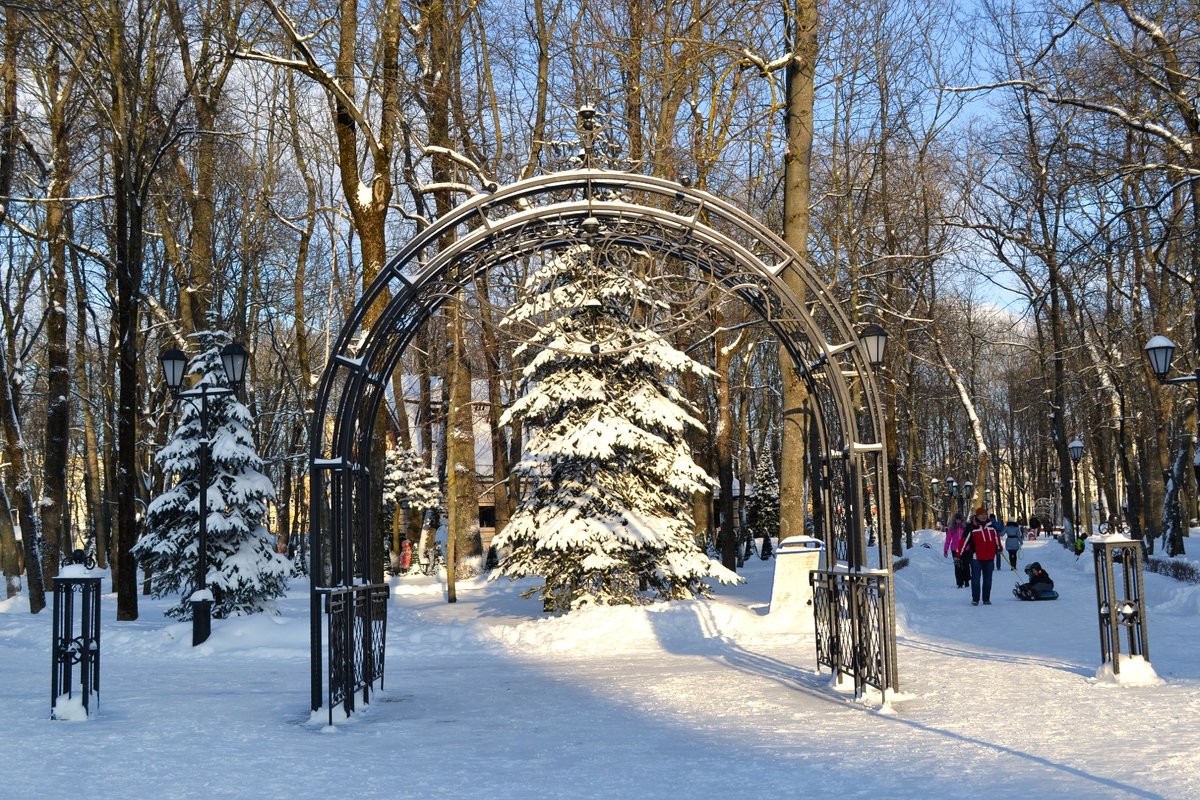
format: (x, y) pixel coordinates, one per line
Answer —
(1075, 448)
(234, 359)
(968, 491)
(1055, 517)
(935, 500)
(1160, 350)
(955, 500)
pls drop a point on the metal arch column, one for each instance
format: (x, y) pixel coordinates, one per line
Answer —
(673, 221)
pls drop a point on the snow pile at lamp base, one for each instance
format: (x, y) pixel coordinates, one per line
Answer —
(1135, 671)
(70, 708)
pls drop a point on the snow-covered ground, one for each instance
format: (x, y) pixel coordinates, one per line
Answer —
(487, 698)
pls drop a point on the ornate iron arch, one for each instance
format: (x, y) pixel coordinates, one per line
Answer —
(676, 223)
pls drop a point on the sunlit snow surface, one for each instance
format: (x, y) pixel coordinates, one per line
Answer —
(487, 698)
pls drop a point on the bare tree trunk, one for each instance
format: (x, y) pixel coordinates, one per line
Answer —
(127, 235)
(723, 356)
(1172, 522)
(22, 483)
(797, 160)
(495, 377)
(10, 551)
(55, 518)
(462, 538)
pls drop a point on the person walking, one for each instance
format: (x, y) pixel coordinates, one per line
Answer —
(981, 545)
(1012, 542)
(954, 539)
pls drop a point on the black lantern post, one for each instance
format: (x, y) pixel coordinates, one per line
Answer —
(968, 491)
(1075, 448)
(234, 360)
(935, 500)
(1160, 351)
(1055, 516)
(955, 500)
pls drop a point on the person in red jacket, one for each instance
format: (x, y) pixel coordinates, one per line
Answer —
(981, 544)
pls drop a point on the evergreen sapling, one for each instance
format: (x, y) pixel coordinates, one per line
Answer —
(244, 571)
(762, 507)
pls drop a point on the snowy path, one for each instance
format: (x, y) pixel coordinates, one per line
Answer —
(485, 699)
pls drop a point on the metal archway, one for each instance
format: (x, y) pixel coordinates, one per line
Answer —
(677, 224)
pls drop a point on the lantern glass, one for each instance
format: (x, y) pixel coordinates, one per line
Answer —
(1160, 350)
(174, 363)
(234, 359)
(874, 341)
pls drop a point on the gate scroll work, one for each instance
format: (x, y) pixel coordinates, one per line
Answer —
(676, 225)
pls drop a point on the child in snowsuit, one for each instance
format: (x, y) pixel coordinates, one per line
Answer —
(1039, 583)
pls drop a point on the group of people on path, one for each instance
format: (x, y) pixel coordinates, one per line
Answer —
(979, 546)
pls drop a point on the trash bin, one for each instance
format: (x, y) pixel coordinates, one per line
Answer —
(796, 557)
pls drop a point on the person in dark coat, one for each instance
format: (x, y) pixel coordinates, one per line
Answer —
(1035, 526)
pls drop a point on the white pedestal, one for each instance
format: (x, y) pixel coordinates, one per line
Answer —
(796, 557)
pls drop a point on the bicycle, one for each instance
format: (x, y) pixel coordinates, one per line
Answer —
(79, 556)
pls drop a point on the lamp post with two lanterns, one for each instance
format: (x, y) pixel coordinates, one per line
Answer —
(234, 359)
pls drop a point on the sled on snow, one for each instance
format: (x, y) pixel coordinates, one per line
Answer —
(1023, 592)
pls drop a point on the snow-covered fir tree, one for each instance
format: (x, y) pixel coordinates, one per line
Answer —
(244, 571)
(410, 485)
(762, 507)
(607, 512)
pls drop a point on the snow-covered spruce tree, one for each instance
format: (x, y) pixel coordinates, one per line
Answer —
(762, 507)
(607, 509)
(244, 571)
(410, 485)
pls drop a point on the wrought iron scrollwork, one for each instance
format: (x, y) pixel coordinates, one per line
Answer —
(357, 633)
(852, 613)
(76, 643)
